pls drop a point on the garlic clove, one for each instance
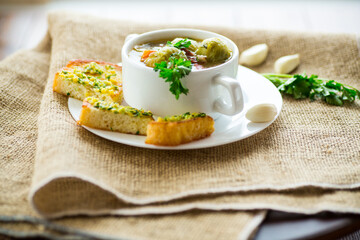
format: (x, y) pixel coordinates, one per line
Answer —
(264, 112)
(255, 55)
(287, 64)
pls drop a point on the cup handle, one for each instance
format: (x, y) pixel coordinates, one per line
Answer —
(131, 36)
(236, 96)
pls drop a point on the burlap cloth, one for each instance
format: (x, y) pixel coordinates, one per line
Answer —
(307, 161)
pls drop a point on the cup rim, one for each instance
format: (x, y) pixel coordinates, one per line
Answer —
(130, 43)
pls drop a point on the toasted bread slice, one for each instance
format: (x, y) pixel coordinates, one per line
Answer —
(112, 116)
(177, 130)
(84, 78)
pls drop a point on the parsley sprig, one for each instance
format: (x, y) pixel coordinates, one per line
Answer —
(184, 43)
(303, 86)
(172, 71)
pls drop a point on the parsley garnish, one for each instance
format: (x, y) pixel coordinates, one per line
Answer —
(172, 71)
(184, 43)
(303, 86)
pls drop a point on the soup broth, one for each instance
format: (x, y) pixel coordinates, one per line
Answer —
(201, 53)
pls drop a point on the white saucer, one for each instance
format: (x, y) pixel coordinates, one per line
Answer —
(256, 89)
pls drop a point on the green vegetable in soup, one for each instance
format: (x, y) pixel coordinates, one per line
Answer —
(215, 50)
(172, 71)
(192, 45)
(163, 55)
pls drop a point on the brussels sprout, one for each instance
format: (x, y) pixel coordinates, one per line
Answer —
(214, 49)
(163, 54)
(193, 46)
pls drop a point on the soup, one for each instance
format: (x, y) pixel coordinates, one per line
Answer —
(202, 54)
(177, 58)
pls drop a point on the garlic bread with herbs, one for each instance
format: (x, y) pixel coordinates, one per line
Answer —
(84, 78)
(179, 129)
(96, 113)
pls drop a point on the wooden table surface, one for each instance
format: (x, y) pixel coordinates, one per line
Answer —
(23, 25)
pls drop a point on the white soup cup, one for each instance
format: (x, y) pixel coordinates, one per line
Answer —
(143, 88)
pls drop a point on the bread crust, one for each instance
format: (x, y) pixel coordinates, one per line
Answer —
(180, 132)
(67, 88)
(107, 120)
(80, 62)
